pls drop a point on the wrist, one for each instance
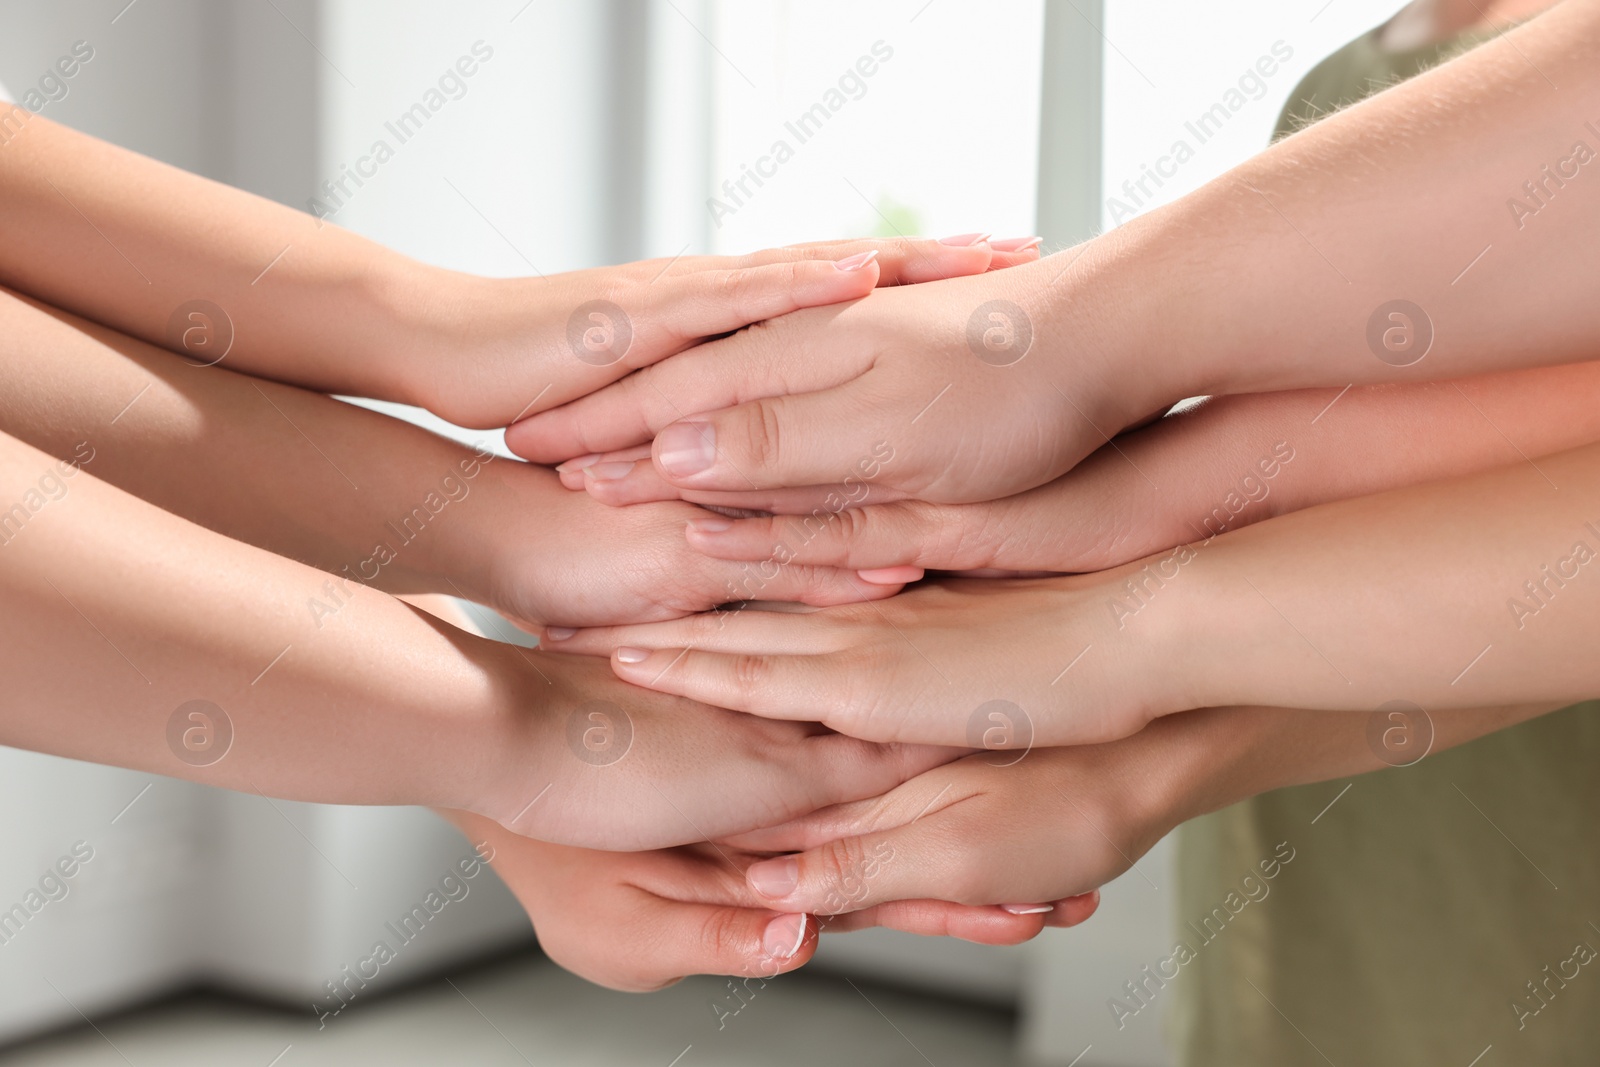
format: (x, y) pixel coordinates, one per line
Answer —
(425, 315)
(1153, 622)
(1103, 318)
(473, 492)
(510, 750)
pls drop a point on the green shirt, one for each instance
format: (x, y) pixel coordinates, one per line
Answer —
(1431, 911)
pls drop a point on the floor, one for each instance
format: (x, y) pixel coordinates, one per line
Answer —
(526, 1011)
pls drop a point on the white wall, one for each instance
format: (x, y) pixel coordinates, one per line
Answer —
(1167, 61)
(190, 883)
(521, 147)
(943, 140)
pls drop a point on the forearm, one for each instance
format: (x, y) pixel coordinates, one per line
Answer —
(127, 241)
(1466, 593)
(1201, 762)
(1267, 277)
(117, 615)
(370, 499)
(1240, 459)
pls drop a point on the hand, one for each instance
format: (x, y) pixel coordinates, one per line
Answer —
(640, 921)
(961, 390)
(1056, 661)
(580, 758)
(544, 556)
(1047, 825)
(494, 350)
(1217, 466)
(1104, 512)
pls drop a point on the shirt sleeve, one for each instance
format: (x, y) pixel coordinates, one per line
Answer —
(5, 97)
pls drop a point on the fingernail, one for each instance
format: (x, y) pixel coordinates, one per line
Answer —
(609, 472)
(784, 936)
(559, 633)
(711, 524)
(687, 447)
(578, 464)
(632, 655)
(1016, 244)
(857, 261)
(774, 878)
(891, 575)
(964, 240)
(1028, 909)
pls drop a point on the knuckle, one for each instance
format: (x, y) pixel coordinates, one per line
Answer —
(762, 434)
(730, 286)
(969, 540)
(723, 940)
(856, 704)
(849, 529)
(702, 629)
(751, 673)
(837, 874)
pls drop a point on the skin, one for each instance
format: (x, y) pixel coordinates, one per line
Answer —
(253, 460)
(125, 241)
(640, 921)
(1064, 819)
(985, 822)
(1186, 765)
(120, 611)
(327, 483)
(729, 442)
(1264, 615)
(1195, 473)
(1265, 279)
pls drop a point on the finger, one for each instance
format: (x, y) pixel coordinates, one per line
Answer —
(909, 533)
(707, 303)
(767, 443)
(1014, 252)
(672, 940)
(913, 800)
(983, 924)
(792, 688)
(575, 473)
(902, 260)
(926, 858)
(733, 629)
(707, 377)
(1071, 911)
(619, 479)
(819, 827)
(818, 587)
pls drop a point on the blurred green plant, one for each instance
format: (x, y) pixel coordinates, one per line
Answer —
(895, 219)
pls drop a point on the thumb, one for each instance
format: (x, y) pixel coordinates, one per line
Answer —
(909, 533)
(852, 873)
(674, 940)
(770, 443)
(963, 862)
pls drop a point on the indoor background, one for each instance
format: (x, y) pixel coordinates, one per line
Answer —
(208, 925)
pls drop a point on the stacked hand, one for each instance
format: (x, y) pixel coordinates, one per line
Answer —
(800, 426)
(1077, 623)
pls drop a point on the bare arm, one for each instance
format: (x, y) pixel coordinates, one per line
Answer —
(369, 499)
(1079, 816)
(194, 265)
(1231, 462)
(119, 615)
(1281, 274)
(1474, 592)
